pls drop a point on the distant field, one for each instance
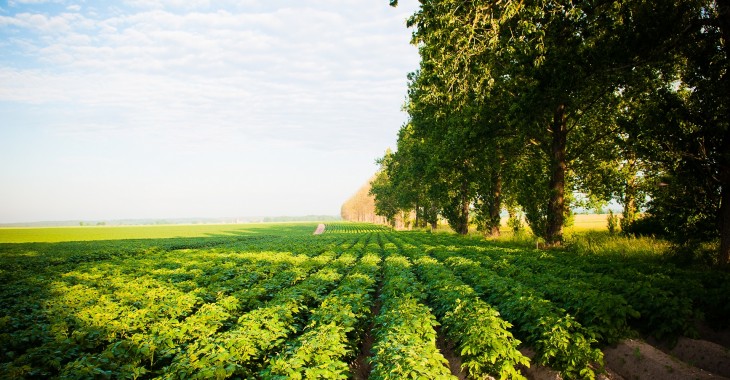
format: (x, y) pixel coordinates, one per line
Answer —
(90, 233)
(581, 222)
(589, 222)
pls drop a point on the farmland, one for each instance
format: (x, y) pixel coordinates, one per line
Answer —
(89, 233)
(359, 301)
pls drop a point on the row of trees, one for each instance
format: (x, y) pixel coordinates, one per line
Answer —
(360, 207)
(521, 105)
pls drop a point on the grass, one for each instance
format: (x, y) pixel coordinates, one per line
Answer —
(603, 243)
(91, 233)
(588, 235)
(595, 242)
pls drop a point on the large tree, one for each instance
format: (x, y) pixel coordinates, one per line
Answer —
(560, 64)
(572, 84)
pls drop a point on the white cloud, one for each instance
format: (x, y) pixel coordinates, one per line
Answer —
(14, 3)
(163, 4)
(198, 78)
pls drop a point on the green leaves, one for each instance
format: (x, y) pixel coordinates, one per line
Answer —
(559, 340)
(405, 341)
(486, 346)
(284, 307)
(603, 99)
(321, 351)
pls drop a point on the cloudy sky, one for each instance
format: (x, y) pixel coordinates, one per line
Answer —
(195, 108)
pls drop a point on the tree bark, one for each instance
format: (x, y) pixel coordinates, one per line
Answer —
(724, 257)
(558, 164)
(629, 214)
(496, 206)
(629, 197)
(417, 222)
(724, 254)
(463, 225)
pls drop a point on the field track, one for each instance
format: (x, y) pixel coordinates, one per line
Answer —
(358, 301)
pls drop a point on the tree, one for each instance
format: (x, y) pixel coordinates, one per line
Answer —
(572, 84)
(679, 123)
(387, 200)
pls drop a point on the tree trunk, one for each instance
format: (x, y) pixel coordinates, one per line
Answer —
(417, 222)
(463, 225)
(629, 199)
(724, 254)
(629, 214)
(724, 257)
(513, 219)
(558, 164)
(496, 206)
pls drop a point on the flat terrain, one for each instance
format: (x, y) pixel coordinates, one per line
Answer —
(359, 301)
(595, 222)
(91, 233)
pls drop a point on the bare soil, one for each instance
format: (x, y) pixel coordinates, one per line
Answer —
(447, 349)
(721, 337)
(634, 359)
(360, 366)
(709, 356)
(536, 371)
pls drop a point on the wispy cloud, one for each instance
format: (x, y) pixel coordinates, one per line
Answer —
(326, 76)
(310, 63)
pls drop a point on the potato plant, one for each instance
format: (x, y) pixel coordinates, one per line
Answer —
(289, 304)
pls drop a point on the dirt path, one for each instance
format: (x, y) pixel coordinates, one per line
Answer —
(706, 355)
(320, 229)
(634, 359)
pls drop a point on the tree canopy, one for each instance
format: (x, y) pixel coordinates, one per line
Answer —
(528, 103)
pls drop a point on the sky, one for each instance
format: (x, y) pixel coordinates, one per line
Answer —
(195, 108)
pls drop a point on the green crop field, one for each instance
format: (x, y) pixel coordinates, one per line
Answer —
(87, 233)
(359, 301)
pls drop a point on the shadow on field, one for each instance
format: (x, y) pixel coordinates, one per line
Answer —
(61, 303)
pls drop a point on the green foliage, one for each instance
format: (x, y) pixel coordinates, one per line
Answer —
(405, 341)
(287, 304)
(612, 222)
(607, 316)
(387, 196)
(560, 341)
(617, 100)
(333, 333)
(483, 340)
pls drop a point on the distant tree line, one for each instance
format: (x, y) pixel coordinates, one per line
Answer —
(520, 105)
(360, 207)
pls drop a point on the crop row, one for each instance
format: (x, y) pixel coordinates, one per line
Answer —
(334, 331)
(299, 306)
(607, 303)
(609, 295)
(131, 310)
(558, 339)
(257, 333)
(354, 228)
(405, 341)
(481, 336)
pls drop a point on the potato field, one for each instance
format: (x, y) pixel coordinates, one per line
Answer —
(359, 301)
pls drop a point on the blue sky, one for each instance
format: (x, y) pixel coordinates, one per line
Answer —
(194, 108)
